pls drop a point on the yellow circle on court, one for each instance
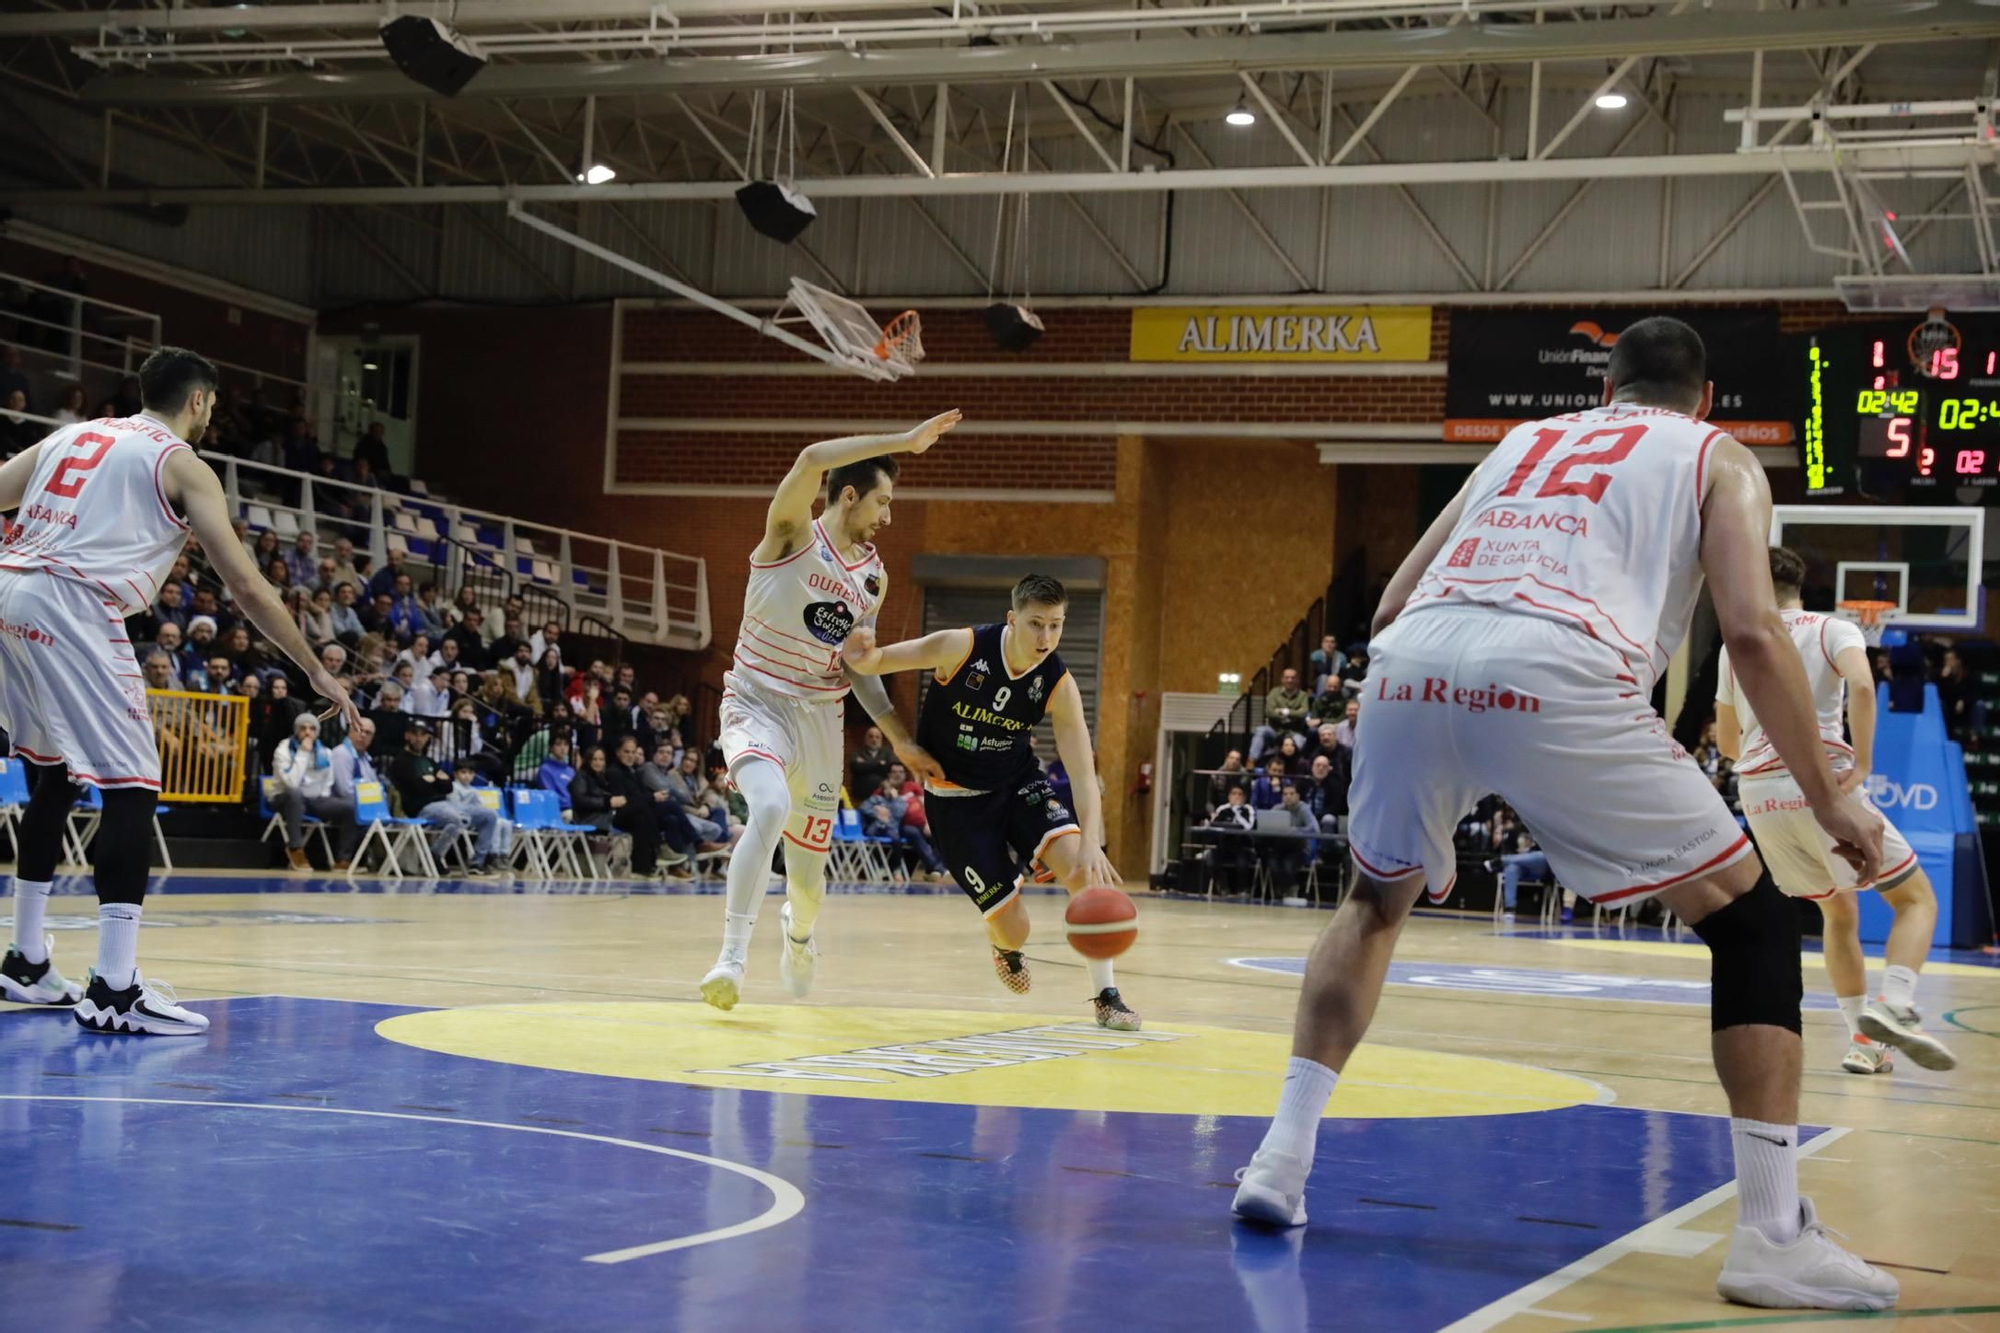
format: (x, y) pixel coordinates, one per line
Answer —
(1698, 953)
(971, 1059)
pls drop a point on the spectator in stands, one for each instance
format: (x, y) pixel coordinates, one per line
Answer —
(431, 612)
(344, 569)
(1285, 710)
(13, 379)
(304, 770)
(1955, 696)
(467, 634)
(1289, 749)
(352, 765)
(543, 640)
(250, 687)
(618, 718)
(180, 582)
(466, 600)
(316, 619)
(882, 809)
(1520, 860)
(425, 791)
(322, 576)
(1356, 675)
(17, 432)
(265, 547)
(405, 620)
(194, 657)
(301, 449)
(1232, 855)
(1326, 706)
(269, 450)
(687, 786)
(717, 794)
(1325, 791)
(418, 654)
(497, 695)
(1343, 730)
(167, 638)
(550, 680)
(371, 452)
(1706, 753)
(1230, 774)
(916, 826)
(556, 772)
(165, 611)
(301, 561)
(1286, 856)
(347, 627)
(278, 574)
(493, 847)
(428, 694)
(475, 740)
(519, 670)
(237, 648)
(216, 676)
(106, 410)
(158, 669)
(502, 649)
(205, 604)
(127, 402)
(375, 616)
(70, 410)
(1326, 661)
(1269, 790)
(1323, 740)
(405, 678)
(446, 658)
(668, 819)
(870, 764)
(384, 579)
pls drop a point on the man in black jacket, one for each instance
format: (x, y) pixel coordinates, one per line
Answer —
(646, 806)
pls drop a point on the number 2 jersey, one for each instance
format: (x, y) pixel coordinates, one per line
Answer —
(1592, 520)
(95, 511)
(976, 718)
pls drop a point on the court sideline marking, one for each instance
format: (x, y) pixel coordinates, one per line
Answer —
(1632, 1242)
(787, 1203)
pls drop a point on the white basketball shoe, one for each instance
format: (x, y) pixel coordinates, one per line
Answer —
(24, 982)
(144, 1008)
(796, 960)
(1272, 1190)
(1868, 1057)
(1901, 1026)
(723, 985)
(1810, 1273)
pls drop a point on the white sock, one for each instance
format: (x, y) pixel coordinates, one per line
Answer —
(805, 889)
(763, 786)
(1850, 1009)
(1100, 975)
(1301, 1106)
(118, 943)
(31, 903)
(1767, 1177)
(1899, 985)
(736, 928)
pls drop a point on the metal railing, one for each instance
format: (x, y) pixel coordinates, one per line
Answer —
(646, 594)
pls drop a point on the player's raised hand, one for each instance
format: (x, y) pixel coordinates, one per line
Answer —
(860, 652)
(923, 437)
(919, 762)
(324, 685)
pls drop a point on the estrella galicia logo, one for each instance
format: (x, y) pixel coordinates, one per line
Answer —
(829, 622)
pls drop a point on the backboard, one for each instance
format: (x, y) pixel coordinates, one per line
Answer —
(1925, 562)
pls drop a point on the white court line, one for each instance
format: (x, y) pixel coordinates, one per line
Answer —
(787, 1203)
(1632, 1242)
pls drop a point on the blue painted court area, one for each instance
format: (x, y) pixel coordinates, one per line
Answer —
(297, 1171)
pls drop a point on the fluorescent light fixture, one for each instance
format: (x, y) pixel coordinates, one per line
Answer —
(598, 175)
(1241, 114)
(370, 365)
(1611, 102)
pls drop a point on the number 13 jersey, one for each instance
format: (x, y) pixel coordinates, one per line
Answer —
(95, 511)
(1592, 520)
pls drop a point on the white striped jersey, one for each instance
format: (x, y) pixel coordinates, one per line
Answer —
(1820, 640)
(1591, 519)
(797, 611)
(96, 511)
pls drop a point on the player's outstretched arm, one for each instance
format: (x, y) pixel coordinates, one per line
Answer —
(1404, 582)
(863, 656)
(191, 484)
(791, 510)
(15, 474)
(1072, 730)
(874, 695)
(1736, 526)
(1852, 663)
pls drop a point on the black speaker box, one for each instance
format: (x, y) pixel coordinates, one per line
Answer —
(431, 54)
(775, 211)
(1013, 327)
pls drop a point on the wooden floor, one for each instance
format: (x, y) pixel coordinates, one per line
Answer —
(1541, 1021)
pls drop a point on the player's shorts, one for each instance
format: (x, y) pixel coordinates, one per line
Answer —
(988, 839)
(1799, 853)
(1464, 702)
(70, 691)
(801, 736)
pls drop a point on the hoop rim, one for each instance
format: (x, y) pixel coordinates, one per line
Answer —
(898, 332)
(1867, 610)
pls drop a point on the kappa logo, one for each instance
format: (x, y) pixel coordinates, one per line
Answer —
(980, 665)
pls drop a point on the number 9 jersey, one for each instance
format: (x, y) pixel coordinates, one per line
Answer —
(1593, 520)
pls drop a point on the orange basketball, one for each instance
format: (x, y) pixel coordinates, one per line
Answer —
(1102, 923)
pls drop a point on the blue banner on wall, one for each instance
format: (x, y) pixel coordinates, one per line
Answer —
(1919, 785)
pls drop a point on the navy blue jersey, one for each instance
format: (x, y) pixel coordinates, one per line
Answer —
(976, 717)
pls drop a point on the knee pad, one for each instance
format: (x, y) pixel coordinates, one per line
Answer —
(1755, 974)
(122, 849)
(51, 796)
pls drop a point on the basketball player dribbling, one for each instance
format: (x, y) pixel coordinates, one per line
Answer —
(1514, 652)
(1802, 862)
(812, 582)
(992, 684)
(105, 507)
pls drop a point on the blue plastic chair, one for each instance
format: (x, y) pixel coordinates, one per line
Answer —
(275, 822)
(84, 819)
(371, 812)
(13, 799)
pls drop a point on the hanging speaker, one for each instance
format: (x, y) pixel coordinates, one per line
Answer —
(775, 210)
(1013, 327)
(431, 54)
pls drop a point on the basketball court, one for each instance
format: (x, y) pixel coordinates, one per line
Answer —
(511, 1110)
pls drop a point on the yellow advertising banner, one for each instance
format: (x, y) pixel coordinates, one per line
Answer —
(1281, 333)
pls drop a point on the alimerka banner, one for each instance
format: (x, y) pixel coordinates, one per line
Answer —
(1510, 366)
(1281, 333)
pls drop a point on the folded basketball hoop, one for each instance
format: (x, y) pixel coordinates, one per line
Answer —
(879, 351)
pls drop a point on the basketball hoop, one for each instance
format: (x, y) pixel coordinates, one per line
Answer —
(1868, 615)
(902, 340)
(878, 351)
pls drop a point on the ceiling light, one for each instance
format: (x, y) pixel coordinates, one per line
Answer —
(1241, 114)
(1610, 101)
(598, 175)
(370, 365)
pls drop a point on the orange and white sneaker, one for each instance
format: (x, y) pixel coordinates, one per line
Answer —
(1012, 969)
(1867, 1057)
(1114, 1013)
(1901, 1026)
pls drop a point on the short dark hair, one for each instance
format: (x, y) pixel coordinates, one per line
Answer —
(170, 374)
(1039, 589)
(1659, 361)
(863, 476)
(1788, 569)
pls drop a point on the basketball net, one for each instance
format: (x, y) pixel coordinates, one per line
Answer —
(1868, 615)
